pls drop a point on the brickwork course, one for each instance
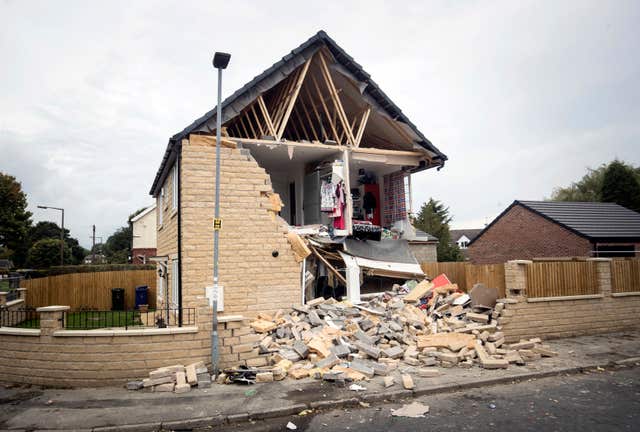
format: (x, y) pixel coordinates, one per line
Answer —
(522, 234)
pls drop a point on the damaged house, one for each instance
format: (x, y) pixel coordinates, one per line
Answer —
(316, 165)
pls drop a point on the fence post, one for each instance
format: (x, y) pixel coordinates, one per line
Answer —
(51, 319)
(515, 275)
(23, 294)
(604, 275)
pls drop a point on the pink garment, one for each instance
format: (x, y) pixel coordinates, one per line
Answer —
(338, 212)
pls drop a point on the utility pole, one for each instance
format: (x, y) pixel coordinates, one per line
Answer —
(93, 246)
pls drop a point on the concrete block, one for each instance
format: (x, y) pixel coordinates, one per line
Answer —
(182, 388)
(394, 352)
(369, 350)
(301, 348)
(327, 363)
(389, 381)
(477, 317)
(428, 372)
(168, 387)
(262, 377)
(341, 351)
(407, 382)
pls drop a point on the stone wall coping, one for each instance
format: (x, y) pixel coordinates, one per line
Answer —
(230, 318)
(4, 293)
(600, 259)
(626, 294)
(19, 331)
(563, 298)
(53, 308)
(14, 302)
(21, 289)
(520, 262)
(122, 332)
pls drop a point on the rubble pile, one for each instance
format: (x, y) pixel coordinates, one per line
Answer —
(176, 378)
(415, 328)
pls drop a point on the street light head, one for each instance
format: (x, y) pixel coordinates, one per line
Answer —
(221, 60)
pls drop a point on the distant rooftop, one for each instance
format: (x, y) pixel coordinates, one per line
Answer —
(595, 221)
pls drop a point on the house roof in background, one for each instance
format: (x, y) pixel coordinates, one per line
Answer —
(143, 213)
(282, 69)
(424, 236)
(595, 221)
(470, 233)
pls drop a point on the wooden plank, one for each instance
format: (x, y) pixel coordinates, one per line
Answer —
(363, 124)
(294, 97)
(329, 266)
(265, 114)
(336, 99)
(315, 110)
(326, 110)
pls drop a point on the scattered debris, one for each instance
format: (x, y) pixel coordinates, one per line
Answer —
(356, 387)
(413, 410)
(291, 426)
(415, 328)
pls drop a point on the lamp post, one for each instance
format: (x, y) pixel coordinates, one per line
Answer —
(61, 231)
(220, 62)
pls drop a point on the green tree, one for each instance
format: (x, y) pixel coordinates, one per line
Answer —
(620, 185)
(589, 187)
(15, 220)
(51, 230)
(118, 246)
(46, 253)
(434, 218)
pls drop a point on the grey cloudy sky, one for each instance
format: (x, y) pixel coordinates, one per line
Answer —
(521, 95)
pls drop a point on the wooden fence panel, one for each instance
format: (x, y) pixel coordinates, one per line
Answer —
(466, 275)
(455, 271)
(625, 276)
(89, 290)
(559, 279)
(492, 275)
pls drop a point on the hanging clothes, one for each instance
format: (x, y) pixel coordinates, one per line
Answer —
(338, 215)
(327, 197)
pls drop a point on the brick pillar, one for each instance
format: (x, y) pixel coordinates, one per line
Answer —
(515, 275)
(3, 298)
(603, 275)
(51, 319)
(23, 294)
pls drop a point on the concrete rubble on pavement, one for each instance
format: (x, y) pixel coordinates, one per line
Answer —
(416, 328)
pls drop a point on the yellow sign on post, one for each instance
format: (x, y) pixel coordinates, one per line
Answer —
(217, 224)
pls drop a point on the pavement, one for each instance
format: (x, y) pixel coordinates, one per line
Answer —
(221, 406)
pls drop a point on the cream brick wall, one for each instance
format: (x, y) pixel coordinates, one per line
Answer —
(167, 233)
(566, 318)
(253, 280)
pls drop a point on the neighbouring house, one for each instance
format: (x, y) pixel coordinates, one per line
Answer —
(424, 246)
(309, 145)
(462, 237)
(543, 229)
(144, 232)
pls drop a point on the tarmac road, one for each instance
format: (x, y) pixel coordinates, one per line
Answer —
(593, 401)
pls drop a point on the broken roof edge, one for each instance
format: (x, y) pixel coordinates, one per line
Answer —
(312, 44)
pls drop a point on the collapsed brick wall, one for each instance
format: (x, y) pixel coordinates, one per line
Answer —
(254, 280)
(522, 234)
